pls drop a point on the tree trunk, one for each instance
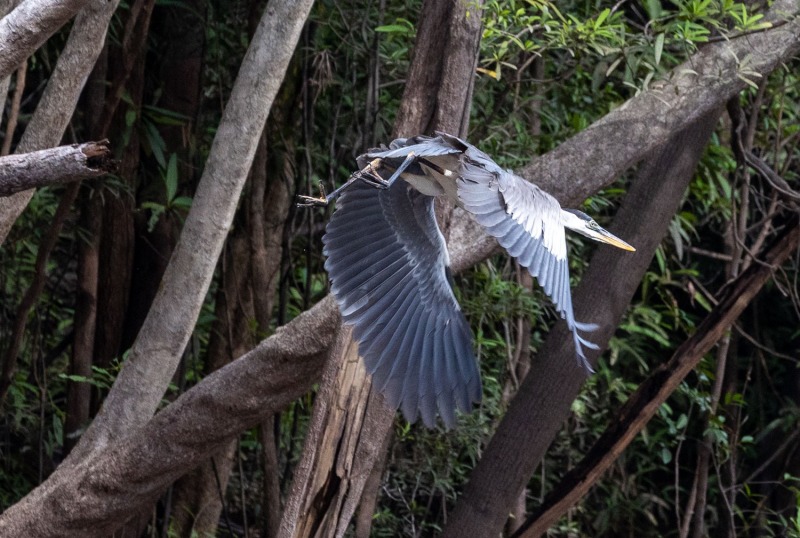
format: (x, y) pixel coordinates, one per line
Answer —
(350, 425)
(197, 501)
(79, 392)
(544, 399)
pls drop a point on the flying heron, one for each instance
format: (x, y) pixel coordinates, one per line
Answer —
(389, 266)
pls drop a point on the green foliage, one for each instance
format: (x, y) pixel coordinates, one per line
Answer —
(546, 71)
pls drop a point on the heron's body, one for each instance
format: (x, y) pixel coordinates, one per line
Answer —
(388, 265)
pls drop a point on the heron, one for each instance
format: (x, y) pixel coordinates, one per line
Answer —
(389, 267)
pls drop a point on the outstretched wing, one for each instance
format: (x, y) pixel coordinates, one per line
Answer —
(387, 262)
(526, 222)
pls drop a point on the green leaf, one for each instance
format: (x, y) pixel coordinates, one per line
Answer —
(602, 17)
(181, 202)
(393, 29)
(659, 47)
(172, 177)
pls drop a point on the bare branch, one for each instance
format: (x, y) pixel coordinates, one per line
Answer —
(63, 164)
(774, 179)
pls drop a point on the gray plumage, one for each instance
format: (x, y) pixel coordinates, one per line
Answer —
(388, 264)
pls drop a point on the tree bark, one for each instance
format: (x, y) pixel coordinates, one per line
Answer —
(54, 111)
(54, 166)
(654, 391)
(157, 350)
(348, 440)
(29, 25)
(545, 396)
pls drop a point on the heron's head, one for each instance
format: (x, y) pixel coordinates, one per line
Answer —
(582, 223)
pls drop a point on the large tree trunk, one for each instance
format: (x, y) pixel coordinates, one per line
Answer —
(347, 440)
(197, 502)
(544, 399)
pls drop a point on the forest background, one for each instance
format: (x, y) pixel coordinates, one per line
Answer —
(172, 363)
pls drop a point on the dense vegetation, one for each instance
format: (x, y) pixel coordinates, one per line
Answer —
(725, 445)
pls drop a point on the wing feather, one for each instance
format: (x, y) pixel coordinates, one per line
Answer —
(526, 222)
(387, 263)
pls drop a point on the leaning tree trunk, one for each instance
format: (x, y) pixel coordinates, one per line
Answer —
(350, 423)
(141, 383)
(544, 399)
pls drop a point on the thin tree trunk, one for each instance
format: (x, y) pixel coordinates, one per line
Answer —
(79, 392)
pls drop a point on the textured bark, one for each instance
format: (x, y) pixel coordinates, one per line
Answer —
(545, 396)
(157, 350)
(654, 391)
(63, 164)
(350, 425)
(55, 108)
(29, 25)
(95, 496)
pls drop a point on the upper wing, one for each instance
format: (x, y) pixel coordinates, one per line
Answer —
(387, 262)
(526, 222)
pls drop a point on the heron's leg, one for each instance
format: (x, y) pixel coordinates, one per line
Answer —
(366, 174)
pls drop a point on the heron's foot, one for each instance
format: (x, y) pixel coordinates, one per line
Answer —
(313, 201)
(369, 175)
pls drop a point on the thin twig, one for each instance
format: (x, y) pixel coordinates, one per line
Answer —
(13, 115)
